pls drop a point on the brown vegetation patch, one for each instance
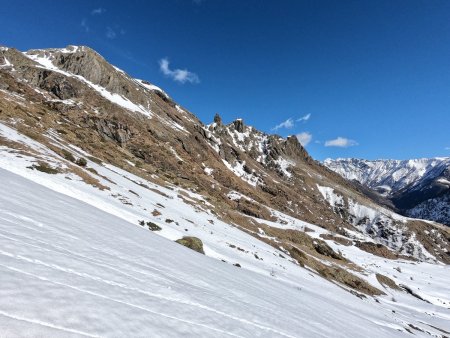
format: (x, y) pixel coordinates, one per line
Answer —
(377, 249)
(304, 241)
(386, 281)
(334, 273)
(156, 213)
(337, 239)
(254, 210)
(45, 168)
(87, 178)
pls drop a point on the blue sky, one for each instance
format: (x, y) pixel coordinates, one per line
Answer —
(368, 79)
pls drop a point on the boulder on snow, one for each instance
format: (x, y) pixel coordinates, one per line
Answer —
(192, 243)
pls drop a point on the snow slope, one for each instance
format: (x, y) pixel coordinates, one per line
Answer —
(70, 269)
(75, 262)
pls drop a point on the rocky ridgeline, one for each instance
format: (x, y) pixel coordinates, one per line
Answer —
(91, 104)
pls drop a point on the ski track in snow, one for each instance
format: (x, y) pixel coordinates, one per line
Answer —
(144, 293)
(48, 325)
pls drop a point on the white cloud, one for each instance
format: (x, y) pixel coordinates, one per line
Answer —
(288, 124)
(110, 33)
(304, 118)
(98, 11)
(85, 25)
(178, 75)
(304, 138)
(341, 142)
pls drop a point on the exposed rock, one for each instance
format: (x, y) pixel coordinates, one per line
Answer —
(377, 249)
(218, 119)
(117, 131)
(192, 243)
(239, 125)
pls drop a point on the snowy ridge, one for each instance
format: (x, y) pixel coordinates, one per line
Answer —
(395, 174)
(418, 188)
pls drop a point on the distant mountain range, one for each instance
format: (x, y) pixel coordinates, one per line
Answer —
(417, 188)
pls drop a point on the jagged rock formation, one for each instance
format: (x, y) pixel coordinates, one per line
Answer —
(417, 188)
(249, 178)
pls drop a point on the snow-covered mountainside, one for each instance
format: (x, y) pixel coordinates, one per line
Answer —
(106, 179)
(388, 176)
(418, 188)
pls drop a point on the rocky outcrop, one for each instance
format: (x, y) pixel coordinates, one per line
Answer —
(114, 130)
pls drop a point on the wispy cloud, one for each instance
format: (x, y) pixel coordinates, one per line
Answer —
(110, 33)
(304, 138)
(304, 118)
(447, 148)
(84, 25)
(178, 75)
(288, 124)
(341, 142)
(98, 11)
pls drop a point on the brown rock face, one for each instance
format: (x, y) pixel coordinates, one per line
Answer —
(114, 130)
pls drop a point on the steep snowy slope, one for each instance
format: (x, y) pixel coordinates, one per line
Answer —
(418, 188)
(68, 269)
(82, 265)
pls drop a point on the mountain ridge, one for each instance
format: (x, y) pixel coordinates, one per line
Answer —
(88, 130)
(415, 187)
